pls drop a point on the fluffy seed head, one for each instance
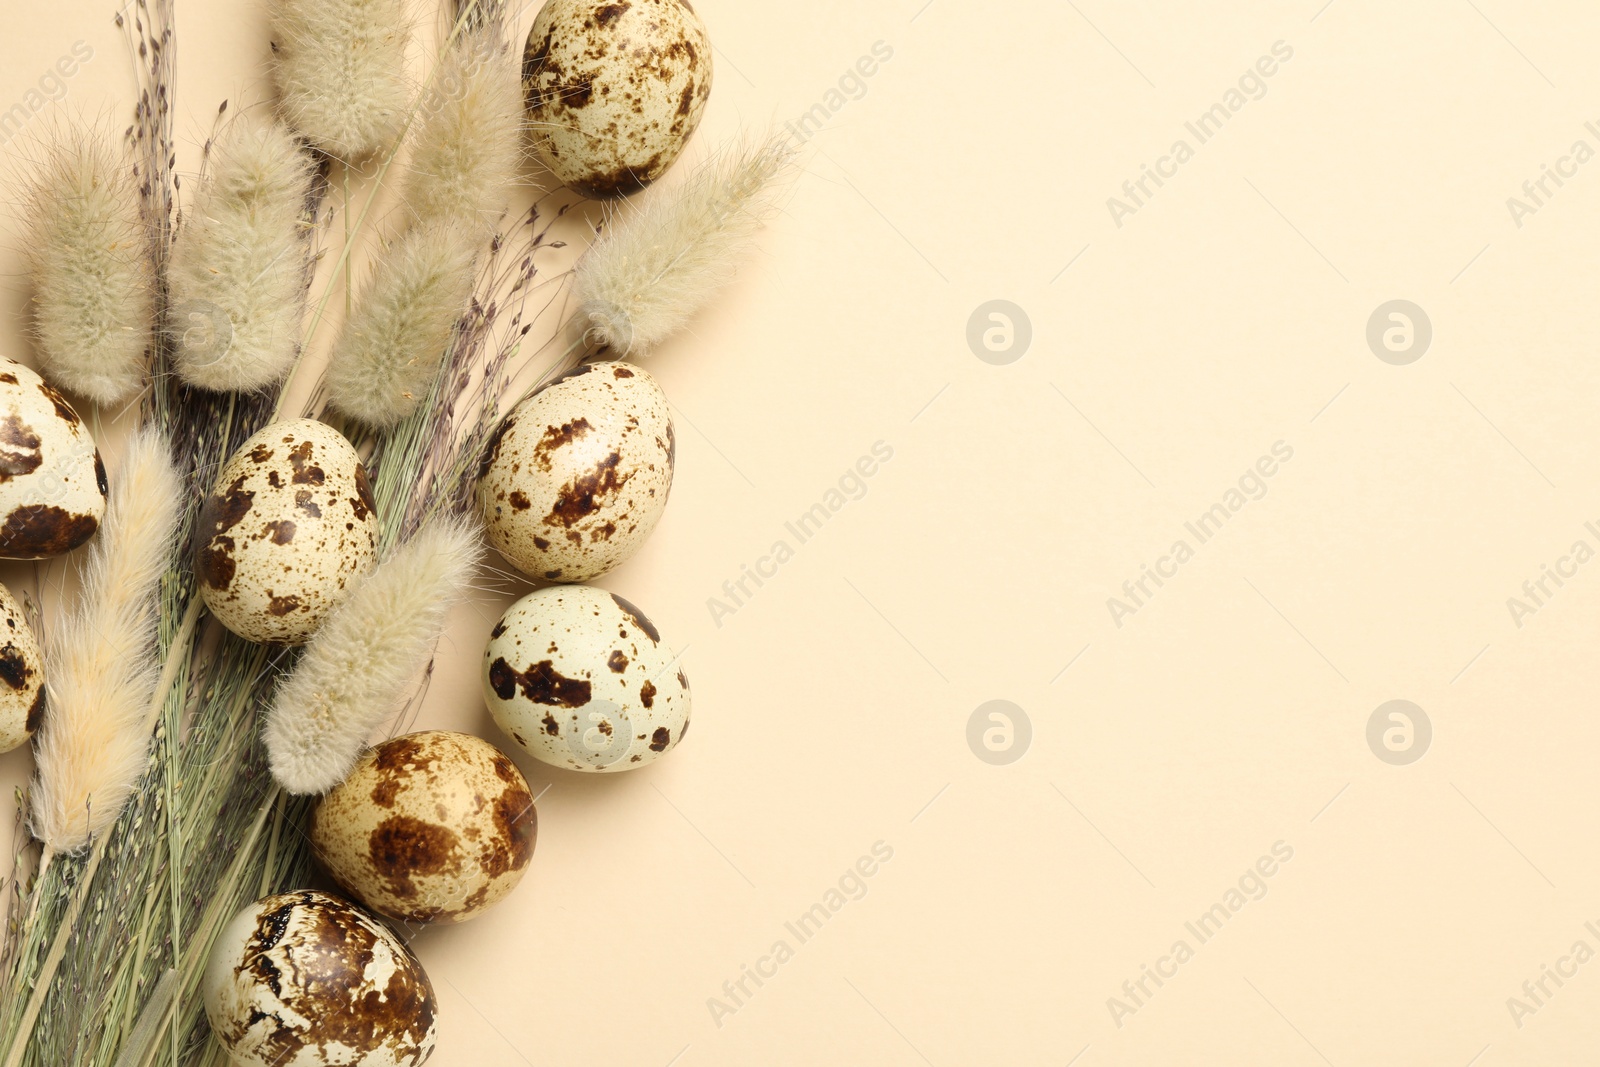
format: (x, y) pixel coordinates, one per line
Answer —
(238, 271)
(655, 267)
(385, 360)
(467, 148)
(360, 663)
(340, 69)
(89, 260)
(100, 662)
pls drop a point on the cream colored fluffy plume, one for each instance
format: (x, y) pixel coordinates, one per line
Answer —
(361, 661)
(389, 352)
(88, 254)
(100, 660)
(238, 274)
(340, 69)
(654, 268)
(467, 147)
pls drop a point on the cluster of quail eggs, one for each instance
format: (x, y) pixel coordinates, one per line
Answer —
(435, 827)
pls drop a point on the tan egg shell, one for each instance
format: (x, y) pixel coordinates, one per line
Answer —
(305, 979)
(577, 477)
(52, 483)
(430, 827)
(615, 90)
(580, 678)
(289, 525)
(21, 675)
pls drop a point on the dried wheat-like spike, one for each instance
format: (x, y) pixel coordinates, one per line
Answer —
(100, 660)
(340, 68)
(361, 661)
(467, 147)
(238, 265)
(89, 259)
(655, 267)
(389, 353)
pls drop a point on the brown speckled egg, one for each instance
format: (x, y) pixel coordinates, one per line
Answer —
(615, 90)
(579, 678)
(577, 476)
(289, 526)
(430, 827)
(52, 483)
(308, 980)
(21, 675)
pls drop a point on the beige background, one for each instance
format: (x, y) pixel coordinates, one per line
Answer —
(1230, 712)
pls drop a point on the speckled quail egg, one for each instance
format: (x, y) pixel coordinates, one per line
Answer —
(429, 827)
(615, 90)
(305, 979)
(579, 678)
(21, 675)
(578, 475)
(290, 525)
(52, 483)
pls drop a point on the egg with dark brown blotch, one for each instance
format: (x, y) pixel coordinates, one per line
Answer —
(306, 979)
(52, 483)
(21, 675)
(288, 530)
(430, 827)
(580, 678)
(614, 90)
(577, 477)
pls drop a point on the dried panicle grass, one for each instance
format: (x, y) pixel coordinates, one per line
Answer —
(467, 147)
(340, 68)
(360, 662)
(654, 268)
(237, 275)
(93, 283)
(390, 350)
(100, 659)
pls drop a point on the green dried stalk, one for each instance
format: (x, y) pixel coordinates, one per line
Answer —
(207, 831)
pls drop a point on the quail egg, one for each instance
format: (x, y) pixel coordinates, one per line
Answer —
(21, 675)
(290, 525)
(52, 483)
(306, 979)
(429, 827)
(615, 90)
(577, 477)
(579, 678)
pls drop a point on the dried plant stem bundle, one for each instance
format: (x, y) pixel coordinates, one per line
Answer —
(238, 266)
(88, 256)
(467, 145)
(390, 350)
(100, 659)
(340, 67)
(653, 269)
(357, 667)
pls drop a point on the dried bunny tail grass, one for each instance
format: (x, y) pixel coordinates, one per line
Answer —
(238, 264)
(93, 284)
(340, 68)
(389, 352)
(100, 662)
(653, 269)
(359, 664)
(467, 146)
